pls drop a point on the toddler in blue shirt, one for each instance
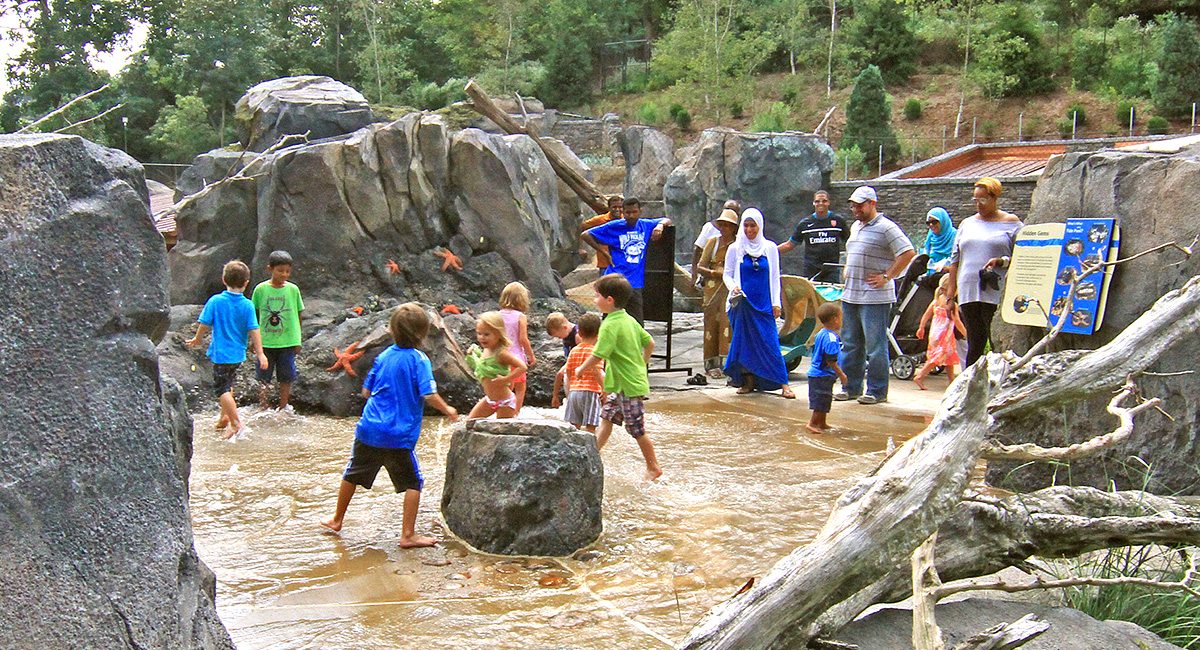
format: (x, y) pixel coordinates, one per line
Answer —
(824, 369)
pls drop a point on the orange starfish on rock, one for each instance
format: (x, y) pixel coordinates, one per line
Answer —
(344, 359)
(393, 267)
(449, 259)
(451, 309)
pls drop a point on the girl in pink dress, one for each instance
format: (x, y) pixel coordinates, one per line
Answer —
(942, 350)
(514, 302)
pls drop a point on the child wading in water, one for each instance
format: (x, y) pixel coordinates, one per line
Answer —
(495, 366)
(942, 350)
(625, 347)
(397, 388)
(514, 302)
(824, 369)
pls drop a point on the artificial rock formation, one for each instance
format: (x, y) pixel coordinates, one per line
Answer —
(1147, 195)
(649, 161)
(318, 106)
(774, 172)
(397, 192)
(96, 540)
(523, 487)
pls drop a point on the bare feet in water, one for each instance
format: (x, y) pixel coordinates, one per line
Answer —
(812, 428)
(415, 541)
(332, 524)
(234, 433)
(653, 474)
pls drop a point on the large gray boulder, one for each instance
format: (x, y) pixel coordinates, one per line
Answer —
(778, 173)
(1070, 629)
(310, 104)
(649, 161)
(209, 168)
(397, 192)
(1149, 196)
(523, 487)
(95, 536)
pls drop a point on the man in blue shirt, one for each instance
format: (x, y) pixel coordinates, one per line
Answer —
(627, 241)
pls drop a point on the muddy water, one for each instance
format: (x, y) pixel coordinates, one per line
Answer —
(744, 486)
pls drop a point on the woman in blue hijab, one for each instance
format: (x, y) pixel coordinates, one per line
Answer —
(939, 243)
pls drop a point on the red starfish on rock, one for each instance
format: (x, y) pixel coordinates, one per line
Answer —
(344, 359)
(451, 309)
(449, 259)
(393, 267)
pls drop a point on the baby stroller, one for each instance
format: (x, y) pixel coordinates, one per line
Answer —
(800, 298)
(914, 291)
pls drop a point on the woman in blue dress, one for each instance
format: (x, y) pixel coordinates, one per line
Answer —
(752, 276)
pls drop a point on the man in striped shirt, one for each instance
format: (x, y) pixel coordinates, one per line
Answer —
(877, 253)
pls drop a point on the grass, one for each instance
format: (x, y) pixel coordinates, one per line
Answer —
(1172, 614)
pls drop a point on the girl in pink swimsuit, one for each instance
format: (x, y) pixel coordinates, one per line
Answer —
(514, 302)
(942, 349)
(495, 367)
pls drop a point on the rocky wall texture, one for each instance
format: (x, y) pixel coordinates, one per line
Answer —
(1149, 196)
(402, 192)
(774, 172)
(95, 537)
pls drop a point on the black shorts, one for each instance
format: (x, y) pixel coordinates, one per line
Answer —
(401, 465)
(281, 362)
(223, 376)
(820, 393)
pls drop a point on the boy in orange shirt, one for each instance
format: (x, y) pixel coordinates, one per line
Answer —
(583, 401)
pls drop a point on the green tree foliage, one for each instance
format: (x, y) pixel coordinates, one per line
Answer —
(1178, 69)
(775, 119)
(1011, 56)
(868, 118)
(182, 131)
(1118, 56)
(881, 35)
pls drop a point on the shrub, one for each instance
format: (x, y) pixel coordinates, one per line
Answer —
(682, 118)
(851, 159)
(1065, 128)
(989, 128)
(776, 118)
(735, 110)
(1078, 112)
(1125, 110)
(868, 117)
(1157, 125)
(789, 96)
(649, 113)
(675, 109)
(912, 109)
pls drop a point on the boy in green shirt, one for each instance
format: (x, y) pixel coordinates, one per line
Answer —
(626, 348)
(278, 305)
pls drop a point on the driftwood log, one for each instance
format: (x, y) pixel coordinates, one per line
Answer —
(861, 557)
(484, 105)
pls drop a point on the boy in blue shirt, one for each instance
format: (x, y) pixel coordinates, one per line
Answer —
(824, 369)
(229, 315)
(397, 388)
(627, 241)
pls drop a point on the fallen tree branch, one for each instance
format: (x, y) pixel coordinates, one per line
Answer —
(874, 527)
(1039, 583)
(285, 141)
(1175, 315)
(1006, 636)
(30, 127)
(925, 632)
(582, 187)
(1032, 452)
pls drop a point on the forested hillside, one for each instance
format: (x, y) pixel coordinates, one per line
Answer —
(685, 64)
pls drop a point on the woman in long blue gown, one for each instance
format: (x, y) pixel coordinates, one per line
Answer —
(752, 275)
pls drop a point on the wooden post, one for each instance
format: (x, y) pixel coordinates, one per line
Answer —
(484, 105)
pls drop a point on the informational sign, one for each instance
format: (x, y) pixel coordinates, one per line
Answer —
(658, 291)
(1045, 259)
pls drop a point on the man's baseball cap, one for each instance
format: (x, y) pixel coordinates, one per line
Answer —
(863, 193)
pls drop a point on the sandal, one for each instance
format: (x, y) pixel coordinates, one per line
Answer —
(697, 380)
(787, 394)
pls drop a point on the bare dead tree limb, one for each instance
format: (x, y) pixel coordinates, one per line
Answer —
(825, 119)
(90, 119)
(1032, 452)
(925, 584)
(1006, 636)
(30, 127)
(243, 173)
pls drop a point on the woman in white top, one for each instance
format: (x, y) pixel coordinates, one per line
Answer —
(982, 251)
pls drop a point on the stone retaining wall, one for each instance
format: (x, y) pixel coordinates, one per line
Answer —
(906, 201)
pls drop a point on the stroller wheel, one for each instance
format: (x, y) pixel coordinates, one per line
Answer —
(904, 367)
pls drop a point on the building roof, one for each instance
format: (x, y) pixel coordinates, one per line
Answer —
(162, 199)
(1004, 160)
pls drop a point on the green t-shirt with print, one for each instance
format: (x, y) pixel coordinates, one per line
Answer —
(278, 314)
(620, 344)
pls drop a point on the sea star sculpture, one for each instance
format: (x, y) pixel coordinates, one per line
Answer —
(449, 259)
(451, 309)
(358, 311)
(344, 359)
(393, 267)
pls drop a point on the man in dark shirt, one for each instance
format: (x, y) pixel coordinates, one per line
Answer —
(823, 234)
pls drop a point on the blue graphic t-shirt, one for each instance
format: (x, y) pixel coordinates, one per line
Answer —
(231, 317)
(627, 247)
(826, 343)
(398, 381)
